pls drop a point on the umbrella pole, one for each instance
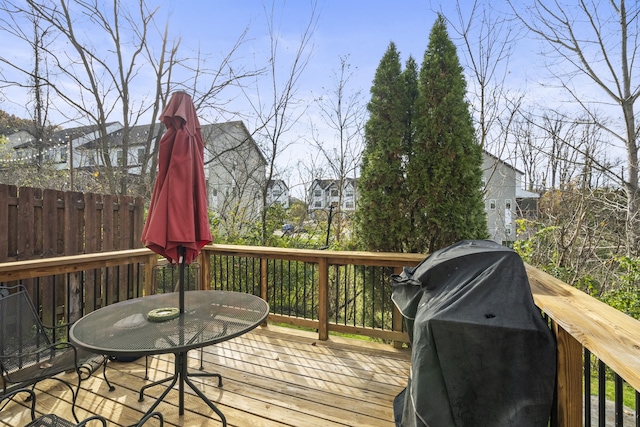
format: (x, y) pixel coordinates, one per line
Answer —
(182, 255)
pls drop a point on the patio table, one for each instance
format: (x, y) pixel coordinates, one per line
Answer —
(124, 329)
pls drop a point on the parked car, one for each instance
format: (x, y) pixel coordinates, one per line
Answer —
(287, 229)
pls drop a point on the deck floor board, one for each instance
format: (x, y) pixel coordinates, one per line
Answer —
(272, 376)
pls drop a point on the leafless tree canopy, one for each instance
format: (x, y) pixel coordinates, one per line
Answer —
(100, 58)
(592, 49)
(343, 112)
(275, 104)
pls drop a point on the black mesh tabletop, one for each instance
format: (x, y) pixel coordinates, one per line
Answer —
(124, 328)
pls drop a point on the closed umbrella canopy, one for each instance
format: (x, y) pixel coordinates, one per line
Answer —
(178, 215)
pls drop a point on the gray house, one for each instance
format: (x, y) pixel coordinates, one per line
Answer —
(60, 146)
(505, 200)
(235, 169)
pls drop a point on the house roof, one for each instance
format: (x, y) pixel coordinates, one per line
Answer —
(497, 159)
(234, 132)
(137, 136)
(326, 183)
(274, 182)
(86, 136)
(524, 194)
(62, 136)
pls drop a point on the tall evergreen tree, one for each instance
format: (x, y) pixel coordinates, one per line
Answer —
(381, 222)
(444, 174)
(410, 75)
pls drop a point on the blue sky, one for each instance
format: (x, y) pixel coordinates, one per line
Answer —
(359, 29)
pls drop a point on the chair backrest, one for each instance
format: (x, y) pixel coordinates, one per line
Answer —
(21, 331)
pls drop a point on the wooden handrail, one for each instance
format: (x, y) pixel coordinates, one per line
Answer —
(606, 332)
(18, 270)
(382, 259)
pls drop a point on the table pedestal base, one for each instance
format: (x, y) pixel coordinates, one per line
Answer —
(181, 376)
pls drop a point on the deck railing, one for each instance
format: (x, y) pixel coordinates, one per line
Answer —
(348, 292)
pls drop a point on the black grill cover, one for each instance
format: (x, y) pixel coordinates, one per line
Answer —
(482, 355)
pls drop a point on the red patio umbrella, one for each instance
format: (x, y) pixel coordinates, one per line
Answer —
(177, 225)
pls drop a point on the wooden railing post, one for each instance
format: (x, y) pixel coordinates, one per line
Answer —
(323, 299)
(205, 268)
(569, 376)
(148, 273)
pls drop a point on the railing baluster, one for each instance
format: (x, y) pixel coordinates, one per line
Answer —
(602, 396)
(587, 387)
(637, 409)
(618, 401)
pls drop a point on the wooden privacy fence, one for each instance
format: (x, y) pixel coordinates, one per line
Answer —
(37, 223)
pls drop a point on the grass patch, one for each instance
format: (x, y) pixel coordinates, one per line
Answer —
(628, 392)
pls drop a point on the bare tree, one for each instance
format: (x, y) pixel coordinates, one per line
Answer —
(102, 78)
(580, 222)
(275, 104)
(38, 37)
(488, 40)
(309, 170)
(597, 43)
(206, 84)
(343, 114)
(526, 150)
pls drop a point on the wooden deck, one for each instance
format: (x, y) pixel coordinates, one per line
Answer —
(272, 377)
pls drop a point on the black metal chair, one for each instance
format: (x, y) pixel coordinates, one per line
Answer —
(52, 420)
(31, 352)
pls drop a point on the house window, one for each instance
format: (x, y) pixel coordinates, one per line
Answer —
(120, 156)
(141, 152)
(334, 193)
(507, 204)
(507, 231)
(492, 204)
(349, 194)
(277, 193)
(317, 204)
(317, 193)
(348, 205)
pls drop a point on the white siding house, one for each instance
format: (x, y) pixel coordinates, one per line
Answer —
(278, 193)
(326, 192)
(79, 141)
